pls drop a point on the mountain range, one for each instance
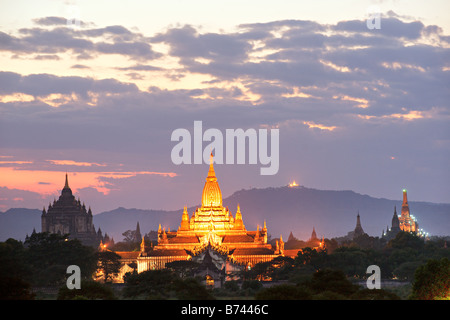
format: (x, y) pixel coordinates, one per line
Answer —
(284, 209)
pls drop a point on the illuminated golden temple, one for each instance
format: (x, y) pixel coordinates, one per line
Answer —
(407, 222)
(210, 227)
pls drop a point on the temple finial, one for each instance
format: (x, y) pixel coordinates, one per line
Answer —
(211, 172)
(66, 186)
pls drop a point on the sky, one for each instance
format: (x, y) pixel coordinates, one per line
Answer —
(95, 89)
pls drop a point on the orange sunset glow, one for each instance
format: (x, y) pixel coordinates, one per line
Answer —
(49, 182)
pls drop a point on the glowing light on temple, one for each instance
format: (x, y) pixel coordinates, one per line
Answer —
(211, 228)
(293, 184)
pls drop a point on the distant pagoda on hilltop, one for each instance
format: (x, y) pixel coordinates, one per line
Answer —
(69, 216)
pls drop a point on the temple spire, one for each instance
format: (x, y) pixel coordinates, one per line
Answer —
(358, 221)
(143, 246)
(66, 191)
(238, 213)
(358, 229)
(211, 172)
(212, 196)
(184, 220)
(66, 185)
(313, 234)
(405, 197)
(238, 223)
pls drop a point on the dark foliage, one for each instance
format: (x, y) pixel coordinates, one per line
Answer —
(90, 290)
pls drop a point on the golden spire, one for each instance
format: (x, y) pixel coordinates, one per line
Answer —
(143, 247)
(184, 220)
(212, 196)
(238, 213)
(211, 172)
(281, 245)
(405, 197)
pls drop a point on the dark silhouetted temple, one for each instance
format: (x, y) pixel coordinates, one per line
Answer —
(69, 216)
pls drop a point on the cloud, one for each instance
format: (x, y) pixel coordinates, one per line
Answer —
(311, 124)
(188, 44)
(390, 27)
(47, 57)
(76, 163)
(86, 42)
(346, 59)
(50, 21)
(79, 66)
(31, 199)
(140, 67)
(39, 85)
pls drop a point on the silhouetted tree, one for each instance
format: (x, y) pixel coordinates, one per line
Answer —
(284, 292)
(332, 280)
(311, 257)
(14, 274)
(351, 260)
(406, 240)
(109, 264)
(190, 289)
(406, 270)
(49, 255)
(90, 290)
(151, 284)
(432, 281)
(374, 294)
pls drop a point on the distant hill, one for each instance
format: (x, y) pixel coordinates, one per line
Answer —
(16, 223)
(332, 213)
(285, 209)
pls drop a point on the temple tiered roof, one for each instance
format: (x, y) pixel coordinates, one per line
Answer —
(210, 225)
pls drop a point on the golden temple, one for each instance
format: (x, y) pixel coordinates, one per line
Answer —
(210, 226)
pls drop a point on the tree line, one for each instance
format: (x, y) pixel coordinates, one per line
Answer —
(43, 258)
